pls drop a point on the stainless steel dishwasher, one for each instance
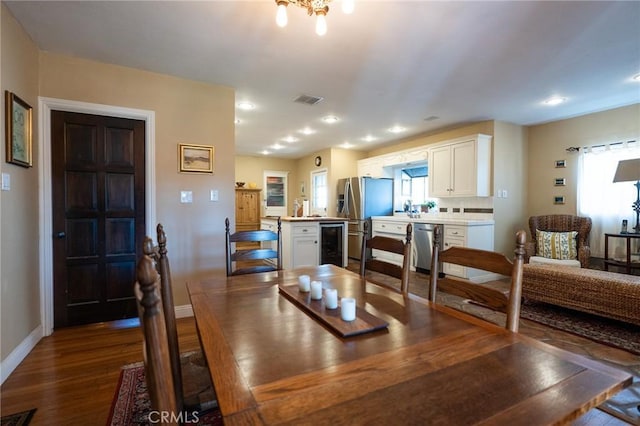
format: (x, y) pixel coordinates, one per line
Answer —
(423, 241)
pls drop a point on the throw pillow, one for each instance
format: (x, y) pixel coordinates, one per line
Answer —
(557, 245)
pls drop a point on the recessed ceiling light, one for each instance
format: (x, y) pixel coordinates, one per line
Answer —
(555, 100)
(330, 119)
(346, 145)
(265, 152)
(277, 146)
(290, 139)
(247, 106)
(368, 138)
(307, 131)
(397, 129)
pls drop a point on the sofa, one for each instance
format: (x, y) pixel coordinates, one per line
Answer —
(603, 293)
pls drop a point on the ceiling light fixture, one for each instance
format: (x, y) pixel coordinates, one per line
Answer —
(368, 138)
(277, 146)
(397, 129)
(265, 152)
(290, 139)
(346, 145)
(555, 100)
(330, 119)
(245, 105)
(307, 131)
(320, 8)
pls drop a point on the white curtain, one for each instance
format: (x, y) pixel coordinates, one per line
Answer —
(605, 202)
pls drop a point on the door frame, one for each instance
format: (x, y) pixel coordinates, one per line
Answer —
(45, 106)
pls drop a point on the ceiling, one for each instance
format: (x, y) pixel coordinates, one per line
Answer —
(422, 65)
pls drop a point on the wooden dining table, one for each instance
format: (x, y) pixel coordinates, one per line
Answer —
(272, 361)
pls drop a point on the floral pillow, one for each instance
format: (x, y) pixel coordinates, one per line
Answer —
(556, 245)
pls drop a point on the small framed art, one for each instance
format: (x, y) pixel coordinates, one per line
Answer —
(558, 199)
(560, 181)
(18, 126)
(560, 164)
(195, 158)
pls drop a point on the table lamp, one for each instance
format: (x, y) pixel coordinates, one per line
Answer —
(629, 170)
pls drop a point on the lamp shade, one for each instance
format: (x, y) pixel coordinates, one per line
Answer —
(628, 170)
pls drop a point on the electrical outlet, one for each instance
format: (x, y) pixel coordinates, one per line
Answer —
(186, 197)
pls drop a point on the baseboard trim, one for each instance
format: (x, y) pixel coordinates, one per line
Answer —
(184, 311)
(20, 353)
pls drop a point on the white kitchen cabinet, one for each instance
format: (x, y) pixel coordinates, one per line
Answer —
(461, 168)
(370, 167)
(391, 229)
(303, 245)
(478, 237)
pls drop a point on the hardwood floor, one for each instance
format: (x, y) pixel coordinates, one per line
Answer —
(71, 376)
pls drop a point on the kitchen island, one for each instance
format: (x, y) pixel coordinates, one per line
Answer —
(310, 240)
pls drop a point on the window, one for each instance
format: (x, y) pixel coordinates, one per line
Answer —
(319, 192)
(605, 202)
(416, 184)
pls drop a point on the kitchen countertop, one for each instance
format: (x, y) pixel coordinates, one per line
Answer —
(436, 220)
(307, 219)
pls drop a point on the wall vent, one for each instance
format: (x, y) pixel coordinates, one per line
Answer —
(309, 100)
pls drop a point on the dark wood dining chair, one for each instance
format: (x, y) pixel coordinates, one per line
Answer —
(252, 260)
(192, 383)
(391, 245)
(156, 345)
(485, 294)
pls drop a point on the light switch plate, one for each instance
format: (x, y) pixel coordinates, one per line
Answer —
(186, 196)
(6, 182)
(214, 195)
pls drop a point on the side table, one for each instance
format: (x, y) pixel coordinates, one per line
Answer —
(627, 264)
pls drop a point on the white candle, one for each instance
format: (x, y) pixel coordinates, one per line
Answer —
(304, 283)
(316, 290)
(348, 308)
(331, 298)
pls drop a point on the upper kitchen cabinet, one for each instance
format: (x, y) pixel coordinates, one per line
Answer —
(371, 167)
(461, 168)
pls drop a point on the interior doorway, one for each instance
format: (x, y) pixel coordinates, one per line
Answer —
(98, 214)
(46, 106)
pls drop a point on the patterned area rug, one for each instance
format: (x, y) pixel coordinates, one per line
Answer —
(131, 405)
(18, 419)
(611, 332)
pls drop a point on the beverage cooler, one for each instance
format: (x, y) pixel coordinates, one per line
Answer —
(331, 243)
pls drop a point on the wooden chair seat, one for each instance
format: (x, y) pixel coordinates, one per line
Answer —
(498, 295)
(390, 245)
(253, 260)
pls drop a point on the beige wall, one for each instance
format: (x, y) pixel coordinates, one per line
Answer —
(510, 174)
(251, 169)
(20, 293)
(339, 163)
(185, 111)
(548, 143)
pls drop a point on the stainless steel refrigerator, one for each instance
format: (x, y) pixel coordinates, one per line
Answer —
(359, 198)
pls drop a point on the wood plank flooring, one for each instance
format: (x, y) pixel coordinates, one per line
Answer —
(71, 376)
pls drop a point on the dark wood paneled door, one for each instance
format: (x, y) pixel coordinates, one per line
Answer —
(98, 187)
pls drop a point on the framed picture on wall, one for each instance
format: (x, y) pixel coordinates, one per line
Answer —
(558, 199)
(560, 181)
(560, 164)
(18, 127)
(195, 158)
